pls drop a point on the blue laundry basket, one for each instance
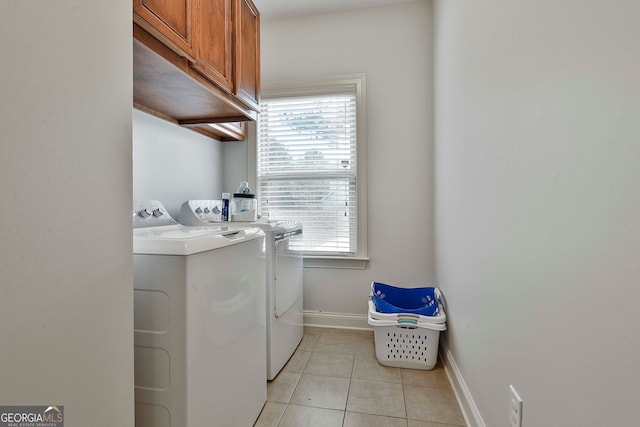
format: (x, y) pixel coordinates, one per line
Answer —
(391, 299)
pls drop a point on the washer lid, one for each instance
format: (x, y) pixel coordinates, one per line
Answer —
(182, 240)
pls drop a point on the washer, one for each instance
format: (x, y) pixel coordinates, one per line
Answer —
(284, 279)
(200, 338)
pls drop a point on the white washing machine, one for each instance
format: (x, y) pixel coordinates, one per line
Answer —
(284, 279)
(200, 335)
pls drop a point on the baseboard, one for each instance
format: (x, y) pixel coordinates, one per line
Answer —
(463, 395)
(335, 320)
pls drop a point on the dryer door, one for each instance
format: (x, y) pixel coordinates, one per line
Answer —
(287, 272)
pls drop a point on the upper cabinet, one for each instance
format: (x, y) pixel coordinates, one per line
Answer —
(169, 21)
(247, 53)
(214, 54)
(197, 63)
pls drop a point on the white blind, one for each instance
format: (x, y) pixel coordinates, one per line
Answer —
(307, 167)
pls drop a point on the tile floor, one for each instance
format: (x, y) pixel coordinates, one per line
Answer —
(334, 379)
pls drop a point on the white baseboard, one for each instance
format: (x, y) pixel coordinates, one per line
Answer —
(335, 320)
(465, 400)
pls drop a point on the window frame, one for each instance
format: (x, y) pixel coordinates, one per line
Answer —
(318, 86)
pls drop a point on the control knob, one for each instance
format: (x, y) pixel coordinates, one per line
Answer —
(158, 212)
(198, 210)
(144, 213)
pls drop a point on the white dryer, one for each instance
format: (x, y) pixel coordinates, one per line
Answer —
(284, 279)
(199, 312)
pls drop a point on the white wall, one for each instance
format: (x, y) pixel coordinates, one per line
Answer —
(392, 46)
(537, 205)
(234, 165)
(173, 164)
(66, 311)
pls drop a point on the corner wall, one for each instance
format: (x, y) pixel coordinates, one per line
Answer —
(537, 205)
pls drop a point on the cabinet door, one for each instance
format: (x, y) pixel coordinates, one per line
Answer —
(247, 53)
(213, 32)
(167, 20)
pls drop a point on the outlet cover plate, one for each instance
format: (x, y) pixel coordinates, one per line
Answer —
(515, 408)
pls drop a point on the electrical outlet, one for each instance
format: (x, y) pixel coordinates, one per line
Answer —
(515, 408)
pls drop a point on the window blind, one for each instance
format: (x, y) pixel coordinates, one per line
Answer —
(307, 168)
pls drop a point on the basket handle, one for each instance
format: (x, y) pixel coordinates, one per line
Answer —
(407, 324)
(408, 320)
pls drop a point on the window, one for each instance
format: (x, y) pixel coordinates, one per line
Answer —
(310, 163)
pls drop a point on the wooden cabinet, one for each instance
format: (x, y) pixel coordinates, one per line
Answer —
(197, 63)
(170, 21)
(247, 53)
(214, 33)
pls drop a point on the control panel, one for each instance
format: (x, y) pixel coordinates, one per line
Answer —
(150, 213)
(197, 212)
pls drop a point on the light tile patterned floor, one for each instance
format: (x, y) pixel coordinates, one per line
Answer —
(334, 379)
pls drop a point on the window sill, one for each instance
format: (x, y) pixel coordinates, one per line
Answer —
(354, 263)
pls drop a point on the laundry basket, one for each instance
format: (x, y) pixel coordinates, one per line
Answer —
(406, 339)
